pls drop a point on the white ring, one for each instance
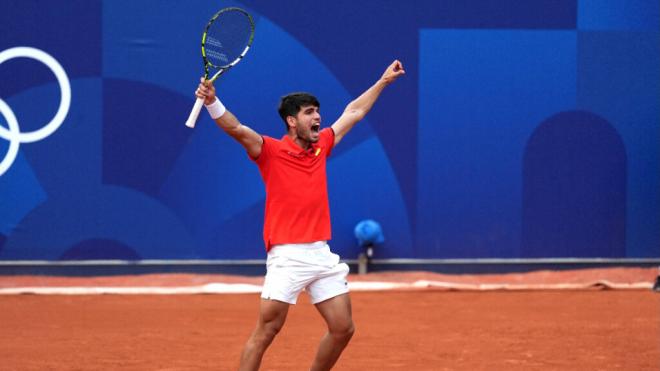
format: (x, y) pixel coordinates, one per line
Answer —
(14, 143)
(65, 90)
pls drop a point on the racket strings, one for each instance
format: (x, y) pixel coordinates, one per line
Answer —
(227, 37)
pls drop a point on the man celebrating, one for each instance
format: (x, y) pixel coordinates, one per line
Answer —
(297, 215)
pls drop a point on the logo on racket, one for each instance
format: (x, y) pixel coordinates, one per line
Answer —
(214, 42)
(13, 132)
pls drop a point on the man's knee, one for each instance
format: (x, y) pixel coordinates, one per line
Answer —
(271, 320)
(267, 332)
(273, 328)
(343, 330)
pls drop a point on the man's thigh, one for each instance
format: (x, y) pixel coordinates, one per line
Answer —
(272, 314)
(337, 312)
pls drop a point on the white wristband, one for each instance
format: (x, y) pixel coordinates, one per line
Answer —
(216, 109)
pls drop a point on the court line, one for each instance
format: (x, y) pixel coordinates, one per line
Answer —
(240, 288)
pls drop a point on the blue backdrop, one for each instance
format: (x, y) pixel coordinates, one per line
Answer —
(521, 129)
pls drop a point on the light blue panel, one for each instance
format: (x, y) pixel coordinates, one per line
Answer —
(482, 93)
(619, 15)
(362, 185)
(21, 192)
(619, 79)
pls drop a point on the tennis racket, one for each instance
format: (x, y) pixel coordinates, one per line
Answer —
(226, 39)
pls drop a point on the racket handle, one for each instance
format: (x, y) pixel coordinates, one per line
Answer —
(192, 119)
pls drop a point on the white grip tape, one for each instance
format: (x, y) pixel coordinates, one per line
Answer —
(192, 119)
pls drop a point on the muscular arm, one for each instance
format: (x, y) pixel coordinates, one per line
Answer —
(247, 137)
(358, 108)
(244, 135)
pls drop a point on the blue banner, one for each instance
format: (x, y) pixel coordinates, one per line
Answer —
(521, 129)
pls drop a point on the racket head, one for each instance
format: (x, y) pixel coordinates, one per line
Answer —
(226, 39)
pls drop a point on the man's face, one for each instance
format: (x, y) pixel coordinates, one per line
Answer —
(308, 123)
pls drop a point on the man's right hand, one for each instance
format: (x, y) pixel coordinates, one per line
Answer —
(206, 91)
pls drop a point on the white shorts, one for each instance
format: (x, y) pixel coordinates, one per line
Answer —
(313, 267)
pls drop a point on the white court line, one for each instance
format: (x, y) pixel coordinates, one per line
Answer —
(240, 288)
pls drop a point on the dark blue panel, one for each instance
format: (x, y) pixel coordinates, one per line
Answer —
(141, 138)
(345, 17)
(68, 30)
(100, 249)
(3, 239)
(574, 193)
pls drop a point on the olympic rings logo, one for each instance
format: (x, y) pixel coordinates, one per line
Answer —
(13, 133)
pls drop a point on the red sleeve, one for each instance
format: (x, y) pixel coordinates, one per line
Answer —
(328, 140)
(266, 150)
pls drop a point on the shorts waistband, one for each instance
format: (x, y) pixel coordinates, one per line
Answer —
(301, 246)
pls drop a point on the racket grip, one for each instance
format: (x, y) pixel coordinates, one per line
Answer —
(192, 119)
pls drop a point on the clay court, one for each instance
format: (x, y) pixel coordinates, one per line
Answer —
(466, 322)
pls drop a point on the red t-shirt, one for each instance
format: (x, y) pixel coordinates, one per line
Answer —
(297, 209)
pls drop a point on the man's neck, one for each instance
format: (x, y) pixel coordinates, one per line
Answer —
(299, 141)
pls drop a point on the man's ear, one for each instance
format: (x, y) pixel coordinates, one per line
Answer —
(291, 121)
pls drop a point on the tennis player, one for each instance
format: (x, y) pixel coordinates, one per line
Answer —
(297, 215)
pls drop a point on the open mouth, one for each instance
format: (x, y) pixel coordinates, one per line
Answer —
(316, 128)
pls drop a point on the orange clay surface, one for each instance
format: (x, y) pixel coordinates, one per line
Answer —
(396, 330)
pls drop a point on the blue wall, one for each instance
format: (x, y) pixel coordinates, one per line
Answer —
(521, 129)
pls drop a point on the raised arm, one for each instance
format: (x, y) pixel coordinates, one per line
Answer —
(247, 137)
(357, 109)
